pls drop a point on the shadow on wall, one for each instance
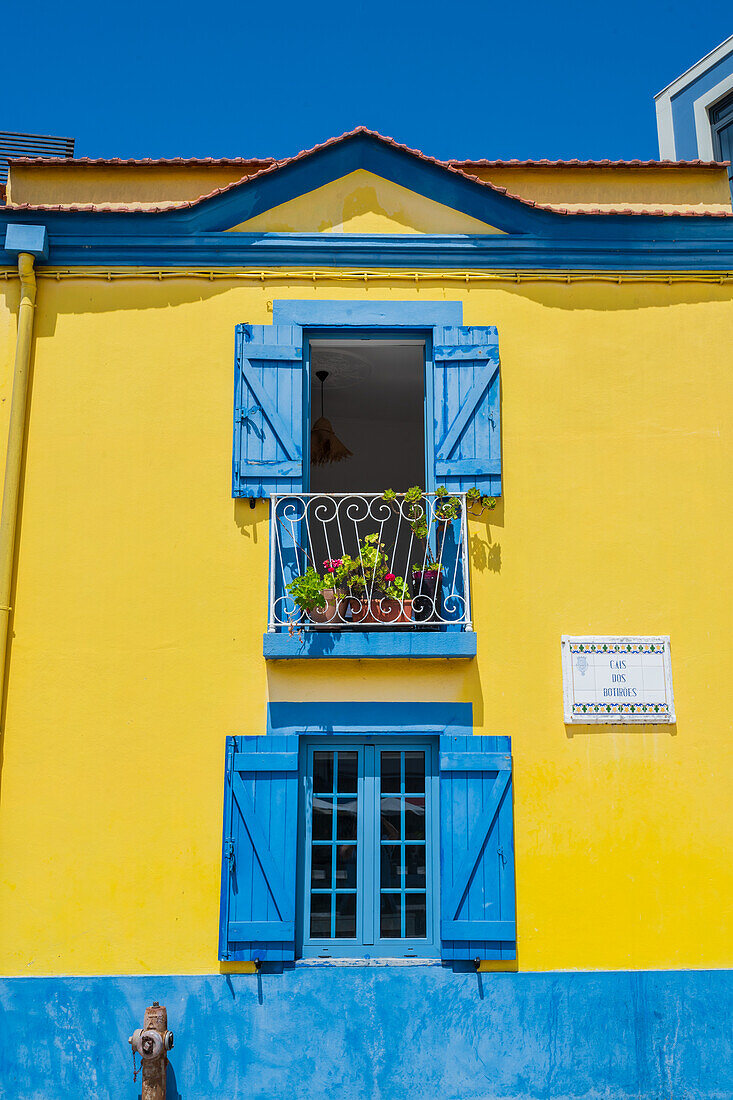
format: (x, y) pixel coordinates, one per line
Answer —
(171, 1085)
(253, 523)
(595, 728)
(484, 551)
(100, 295)
(392, 681)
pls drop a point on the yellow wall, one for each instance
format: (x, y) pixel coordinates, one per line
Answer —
(121, 185)
(636, 188)
(140, 607)
(362, 202)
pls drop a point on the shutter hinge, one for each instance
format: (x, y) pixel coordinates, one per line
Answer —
(229, 852)
(500, 853)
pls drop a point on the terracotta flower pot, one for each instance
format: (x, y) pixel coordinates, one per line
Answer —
(362, 610)
(379, 610)
(324, 615)
(394, 611)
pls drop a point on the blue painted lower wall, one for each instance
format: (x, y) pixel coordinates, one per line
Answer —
(378, 1033)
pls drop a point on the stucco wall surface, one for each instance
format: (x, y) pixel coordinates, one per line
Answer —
(390, 1033)
(635, 188)
(122, 185)
(141, 600)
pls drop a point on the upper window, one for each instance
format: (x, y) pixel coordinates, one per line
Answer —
(370, 859)
(721, 119)
(399, 409)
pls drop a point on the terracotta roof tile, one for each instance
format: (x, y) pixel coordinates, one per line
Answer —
(467, 164)
(146, 162)
(274, 165)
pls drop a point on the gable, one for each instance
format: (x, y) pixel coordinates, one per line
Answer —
(363, 202)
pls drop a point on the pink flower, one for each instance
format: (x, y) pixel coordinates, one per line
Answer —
(329, 567)
(389, 577)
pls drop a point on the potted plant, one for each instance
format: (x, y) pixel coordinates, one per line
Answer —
(314, 595)
(371, 593)
(427, 574)
(427, 580)
(478, 504)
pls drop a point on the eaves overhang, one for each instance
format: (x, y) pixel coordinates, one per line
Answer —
(532, 236)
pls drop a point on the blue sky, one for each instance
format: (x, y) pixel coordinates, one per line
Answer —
(456, 78)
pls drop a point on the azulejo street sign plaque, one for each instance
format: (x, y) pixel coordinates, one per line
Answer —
(617, 680)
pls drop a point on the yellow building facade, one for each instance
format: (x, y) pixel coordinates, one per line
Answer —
(138, 622)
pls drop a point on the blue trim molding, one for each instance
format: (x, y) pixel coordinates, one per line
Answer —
(352, 314)
(370, 645)
(348, 1032)
(690, 244)
(357, 719)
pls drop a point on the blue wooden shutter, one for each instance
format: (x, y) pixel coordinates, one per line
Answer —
(476, 849)
(268, 411)
(466, 409)
(259, 849)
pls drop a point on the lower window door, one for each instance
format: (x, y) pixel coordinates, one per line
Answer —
(369, 860)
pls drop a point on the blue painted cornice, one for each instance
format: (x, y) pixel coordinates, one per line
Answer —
(534, 238)
(258, 250)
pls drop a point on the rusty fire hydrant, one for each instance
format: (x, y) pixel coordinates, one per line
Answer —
(152, 1042)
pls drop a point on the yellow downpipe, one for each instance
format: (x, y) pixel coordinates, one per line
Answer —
(14, 457)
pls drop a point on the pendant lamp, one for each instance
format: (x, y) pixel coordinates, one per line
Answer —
(325, 444)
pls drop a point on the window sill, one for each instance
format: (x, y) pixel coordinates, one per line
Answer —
(310, 963)
(372, 644)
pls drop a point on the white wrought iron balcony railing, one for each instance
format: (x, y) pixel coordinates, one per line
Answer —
(369, 561)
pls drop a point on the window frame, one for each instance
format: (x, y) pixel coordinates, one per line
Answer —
(369, 850)
(341, 334)
(721, 118)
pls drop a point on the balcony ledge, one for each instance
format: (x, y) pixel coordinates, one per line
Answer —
(370, 645)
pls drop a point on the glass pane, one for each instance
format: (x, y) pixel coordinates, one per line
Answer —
(321, 916)
(347, 772)
(346, 867)
(321, 866)
(391, 866)
(322, 772)
(414, 772)
(345, 916)
(391, 772)
(346, 824)
(390, 919)
(322, 818)
(414, 819)
(415, 916)
(390, 818)
(415, 865)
